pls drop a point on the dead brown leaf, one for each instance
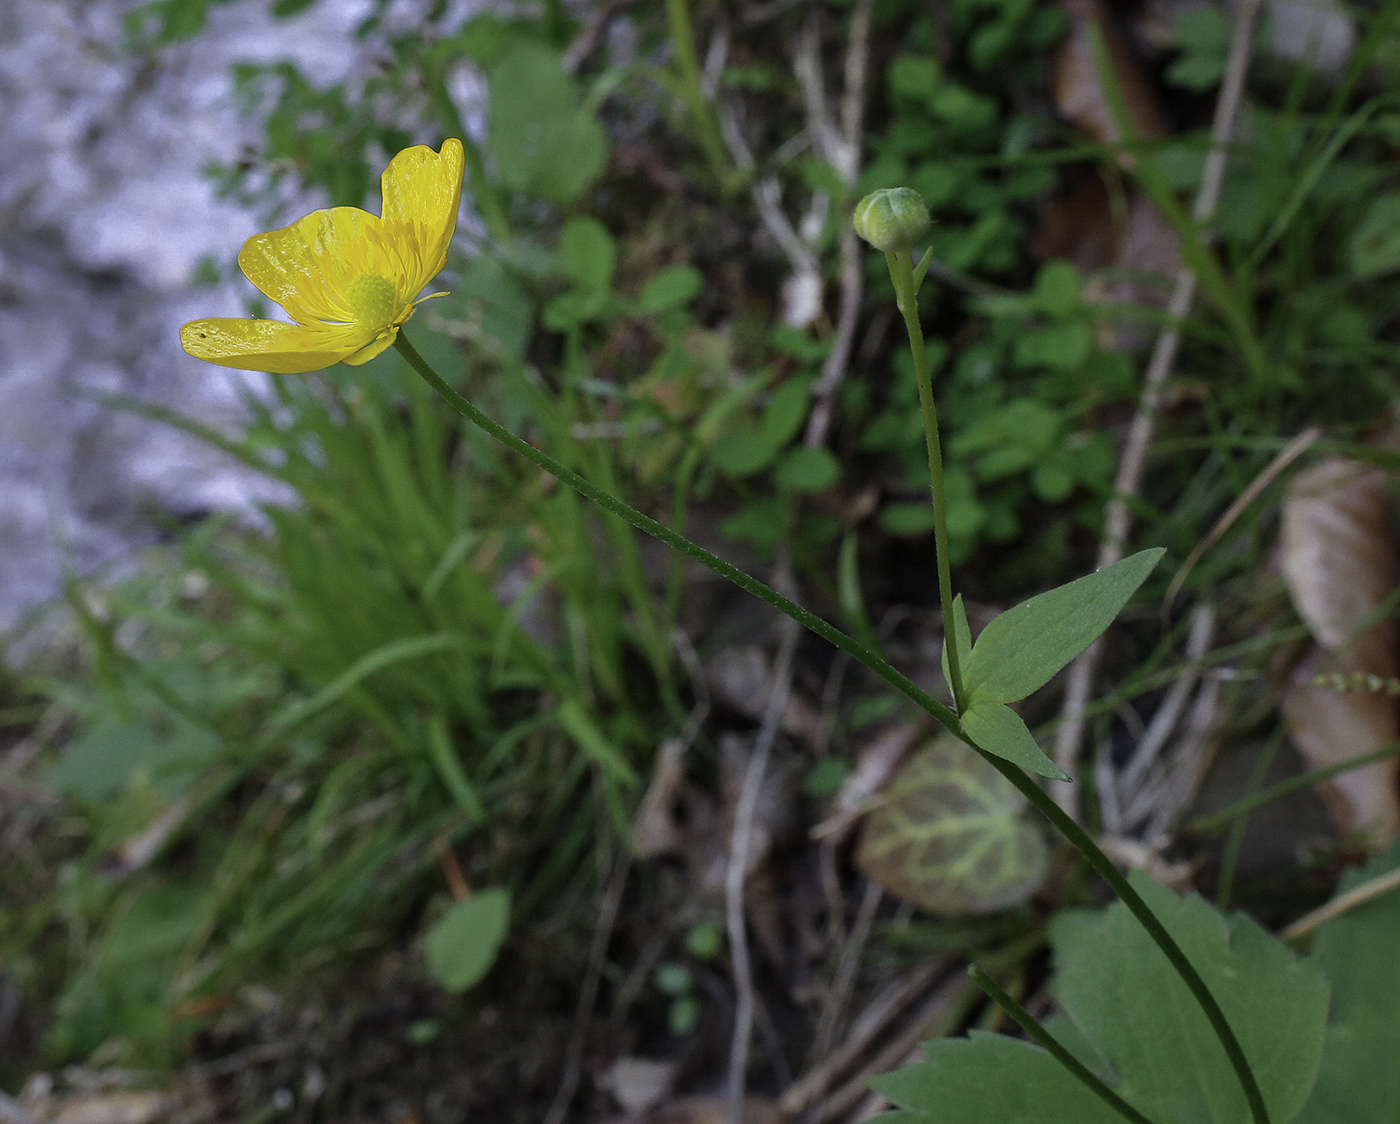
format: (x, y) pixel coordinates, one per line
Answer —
(1099, 229)
(1340, 564)
(741, 677)
(1079, 94)
(1126, 249)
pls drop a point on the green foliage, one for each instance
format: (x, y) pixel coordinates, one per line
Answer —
(462, 944)
(990, 1079)
(1135, 1024)
(950, 835)
(362, 678)
(1359, 1080)
(545, 143)
(1203, 36)
(435, 645)
(1022, 648)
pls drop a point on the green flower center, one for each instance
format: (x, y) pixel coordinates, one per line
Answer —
(373, 301)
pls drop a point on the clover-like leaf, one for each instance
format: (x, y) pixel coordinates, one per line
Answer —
(463, 943)
(951, 835)
(1022, 648)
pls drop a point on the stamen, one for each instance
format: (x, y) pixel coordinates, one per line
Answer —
(373, 300)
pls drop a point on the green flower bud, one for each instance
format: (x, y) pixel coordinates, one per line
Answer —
(892, 219)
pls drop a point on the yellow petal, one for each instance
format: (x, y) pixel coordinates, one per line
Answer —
(270, 345)
(422, 192)
(373, 348)
(282, 264)
(308, 266)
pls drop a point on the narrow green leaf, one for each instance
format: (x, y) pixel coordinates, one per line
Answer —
(463, 943)
(444, 758)
(386, 655)
(1021, 649)
(580, 726)
(961, 635)
(999, 730)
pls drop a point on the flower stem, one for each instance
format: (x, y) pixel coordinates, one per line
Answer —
(1062, 822)
(878, 664)
(906, 292)
(1080, 839)
(1033, 1027)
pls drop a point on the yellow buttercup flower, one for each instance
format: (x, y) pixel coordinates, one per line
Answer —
(348, 279)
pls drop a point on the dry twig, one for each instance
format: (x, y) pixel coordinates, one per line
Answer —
(1343, 903)
(1117, 515)
(736, 872)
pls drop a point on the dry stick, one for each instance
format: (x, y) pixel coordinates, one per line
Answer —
(1163, 723)
(1117, 516)
(869, 1025)
(843, 153)
(946, 1004)
(737, 869)
(588, 994)
(1286, 456)
(846, 968)
(1344, 903)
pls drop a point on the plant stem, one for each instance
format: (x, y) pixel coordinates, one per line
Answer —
(1080, 839)
(906, 293)
(809, 620)
(1033, 1027)
(1246, 805)
(688, 66)
(1062, 822)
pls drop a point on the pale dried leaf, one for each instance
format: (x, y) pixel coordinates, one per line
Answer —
(1339, 557)
(774, 812)
(1327, 727)
(638, 1083)
(1339, 562)
(740, 677)
(1079, 95)
(1126, 249)
(109, 1108)
(876, 762)
(655, 830)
